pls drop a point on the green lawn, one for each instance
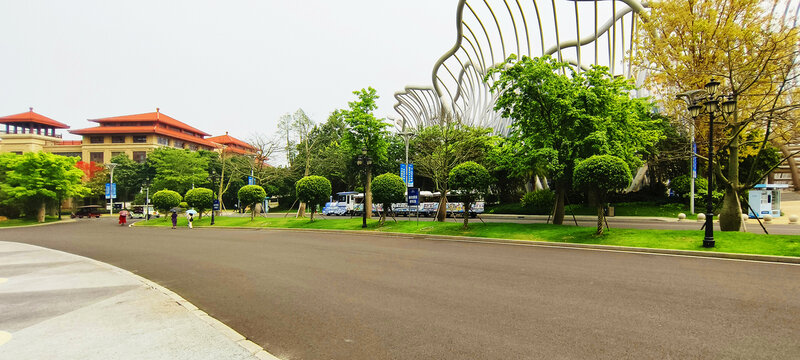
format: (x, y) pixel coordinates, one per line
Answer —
(23, 222)
(670, 210)
(733, 242)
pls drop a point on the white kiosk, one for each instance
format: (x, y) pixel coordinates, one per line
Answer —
(766, 199)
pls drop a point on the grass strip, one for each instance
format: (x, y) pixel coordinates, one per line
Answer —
(25, 222)
(732, 242)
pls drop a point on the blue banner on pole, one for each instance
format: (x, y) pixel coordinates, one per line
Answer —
(111, 191)
(403, 173)
(410, 175)
(215, 205)
(251, 180)
(694, 160)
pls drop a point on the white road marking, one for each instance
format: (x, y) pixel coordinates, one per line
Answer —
(2, 280)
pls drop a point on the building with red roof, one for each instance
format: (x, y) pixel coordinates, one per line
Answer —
(33, 132)
(136, 135)
(230, 144)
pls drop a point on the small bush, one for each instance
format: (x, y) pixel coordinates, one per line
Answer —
(200, 199)
(184, 205)
(165, 200)
(387, 189)
(313, 190)
(681, 185)
(539, 202)
(250, 195)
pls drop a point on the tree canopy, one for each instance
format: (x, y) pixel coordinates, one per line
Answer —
(388, 188)
(599, 175)
(200, 199)
(472, 180)
(313, 190)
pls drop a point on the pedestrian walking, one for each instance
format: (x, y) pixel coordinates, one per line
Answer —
(123, 217)
(191, 219)
(174, 219)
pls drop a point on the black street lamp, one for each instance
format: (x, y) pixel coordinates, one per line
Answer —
(366, 161)
(711, 103)
(146, 186)
(213, 178)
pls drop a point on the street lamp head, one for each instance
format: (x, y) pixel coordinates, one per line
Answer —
(712, 105)
(711, 87)
(729, 106)
(359, 162)
(363, 151)
(695, 109)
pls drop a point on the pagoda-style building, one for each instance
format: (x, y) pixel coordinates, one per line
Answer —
(230, 144)
(137, 135)
(32, 132)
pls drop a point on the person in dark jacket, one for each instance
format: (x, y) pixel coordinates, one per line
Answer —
(174, 219)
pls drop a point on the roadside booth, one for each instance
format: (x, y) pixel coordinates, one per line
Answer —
(765, 199)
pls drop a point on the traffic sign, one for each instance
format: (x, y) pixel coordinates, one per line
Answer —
(413, 196)
(215, 205)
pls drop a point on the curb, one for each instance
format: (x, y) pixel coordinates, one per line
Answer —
(615, 248)
(255, 350)
(65, 221)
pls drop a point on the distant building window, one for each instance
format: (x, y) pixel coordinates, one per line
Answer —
(163, 141)
(97, 139)
(178, 144)
(140, 139)
(139, 156)
(118, 139)
(116, 153)
(17, 152)
(96, 157)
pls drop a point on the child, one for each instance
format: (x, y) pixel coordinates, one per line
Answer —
(191, 218)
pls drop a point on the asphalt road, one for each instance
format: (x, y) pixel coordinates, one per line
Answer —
(306, 295)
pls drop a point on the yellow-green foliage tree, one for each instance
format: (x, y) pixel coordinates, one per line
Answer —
(751, 47)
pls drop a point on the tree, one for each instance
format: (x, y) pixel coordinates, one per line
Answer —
(177, 169)
(558, 119)
(472, 180)
(313, 190)
(752, 48)
(128, 175)
(599, 175)
(164, 200)
(437, 149)
(200, 199)
(365, 131)
(387, 189)
(250, 195)
(38, 178)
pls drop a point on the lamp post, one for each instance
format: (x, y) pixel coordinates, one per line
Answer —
(111, 191)
(366, 161)
(710, 102)
(213, 177)
(146, 186)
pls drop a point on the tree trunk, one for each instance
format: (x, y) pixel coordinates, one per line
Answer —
(40, 213)
(313, 210)
(301, 210)
(600, 216)
(383, 213)
(792, 167)
(730, 216)
(558, 207)
(441, 213)
(368, 194)
(467, 203)
(252, 212)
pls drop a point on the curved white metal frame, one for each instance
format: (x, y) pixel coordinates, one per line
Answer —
(484, 40)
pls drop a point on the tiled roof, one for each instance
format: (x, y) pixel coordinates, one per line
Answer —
(228, 140)
(156, 116)
(143, 130)
(33, 117)
(69, 142)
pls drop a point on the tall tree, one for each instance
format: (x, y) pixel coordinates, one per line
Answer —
(39, 178)
(558, 119)
(177, 169)
(752, 48)
(128, 175)
(365, 131)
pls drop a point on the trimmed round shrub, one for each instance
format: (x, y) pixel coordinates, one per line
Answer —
(183, 205)
(164, 200)
(598, 176)
(200, 199)
(387, 189)
(539, 202)
(472, 180)
(313, 190)
(250, 195)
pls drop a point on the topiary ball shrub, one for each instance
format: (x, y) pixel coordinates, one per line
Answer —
(184, 205)
(539, 202)
(598, 176)
(164, 200)
(472, 180)
(681, 185)
(200, 199)
(313, 190)
(250, 195)
(387, 189)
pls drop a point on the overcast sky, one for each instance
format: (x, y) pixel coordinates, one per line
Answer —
(217, 65)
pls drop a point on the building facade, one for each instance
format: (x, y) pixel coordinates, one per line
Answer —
(133, 135)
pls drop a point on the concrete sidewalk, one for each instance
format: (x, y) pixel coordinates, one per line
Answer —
(55, 305)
